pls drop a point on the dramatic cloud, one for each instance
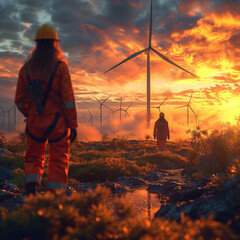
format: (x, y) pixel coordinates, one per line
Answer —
(201, 36)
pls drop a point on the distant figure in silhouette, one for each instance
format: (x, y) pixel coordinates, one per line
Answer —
(161, 132)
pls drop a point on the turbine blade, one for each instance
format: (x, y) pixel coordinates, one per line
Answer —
(97, 99)
(116, 110)
(190, 98)
(107, 107)
(10, 109)
(90, 119)
(105, 100)
(169, 61)
(89, 112)
(192, 111)
(181, 106)
(98, 109)
(128, 58)
(163, 101)
(128, 114)
(150, 27)
(128, 107)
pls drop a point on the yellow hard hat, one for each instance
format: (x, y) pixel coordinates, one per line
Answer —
(46, 32)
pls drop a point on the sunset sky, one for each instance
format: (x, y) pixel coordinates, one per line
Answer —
(202, 36)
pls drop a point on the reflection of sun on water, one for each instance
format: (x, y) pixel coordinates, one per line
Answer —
(146, 204)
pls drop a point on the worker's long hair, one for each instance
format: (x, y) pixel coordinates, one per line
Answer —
(43, 58)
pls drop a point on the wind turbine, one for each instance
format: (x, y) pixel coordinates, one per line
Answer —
(198, 120)
(120, 109)
(160, 105)
(91, 117)
(100, 108)
(126, 111)
(188, 106)
(83, 117)
(147, 51)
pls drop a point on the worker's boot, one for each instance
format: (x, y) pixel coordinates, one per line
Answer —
(32, 188)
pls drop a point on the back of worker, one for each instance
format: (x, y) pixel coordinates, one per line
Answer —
(45, 97)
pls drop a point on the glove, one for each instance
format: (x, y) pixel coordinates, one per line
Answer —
(73, 135)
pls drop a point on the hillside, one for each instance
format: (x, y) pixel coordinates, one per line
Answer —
(114, 184)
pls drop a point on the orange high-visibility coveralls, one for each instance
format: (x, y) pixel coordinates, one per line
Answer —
(60, 99)
(161, 131)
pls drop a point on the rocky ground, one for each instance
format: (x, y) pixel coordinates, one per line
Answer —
(177, 194)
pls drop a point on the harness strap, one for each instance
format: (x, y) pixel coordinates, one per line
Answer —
(58, 139)
(57, 115)
(48, 131)
(49, 86)
(36, 139)
(53, 124)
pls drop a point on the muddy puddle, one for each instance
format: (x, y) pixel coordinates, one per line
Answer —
(145, 203)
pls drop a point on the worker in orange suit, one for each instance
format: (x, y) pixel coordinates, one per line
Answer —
(161, 132)
(45, 97)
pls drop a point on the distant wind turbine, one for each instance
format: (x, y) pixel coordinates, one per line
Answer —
(83, 117)
(100, 108)
(120, 109)
(126, 111)
(91, 117)
(188, 107)
(198, 120)
(147, 51)
(159, 107)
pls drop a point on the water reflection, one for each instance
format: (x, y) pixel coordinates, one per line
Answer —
(146, 204)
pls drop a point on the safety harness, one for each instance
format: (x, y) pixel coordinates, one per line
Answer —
(37, 91)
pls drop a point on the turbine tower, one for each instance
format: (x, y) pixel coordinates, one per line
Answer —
(2, 113)
(108, 119)
(159, 107)
(100, 108)
(9, 116)
(188, 107)
(147, 51)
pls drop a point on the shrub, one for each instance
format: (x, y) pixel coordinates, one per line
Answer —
(17, 144)
(104, 169)
(12, 161)
(2, 140)
(19, 178)
(89, 216)
(163, 159)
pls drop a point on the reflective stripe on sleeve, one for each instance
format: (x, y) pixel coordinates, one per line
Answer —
(69, 105)
(33, 177)
(20, 105)
(56, 185)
